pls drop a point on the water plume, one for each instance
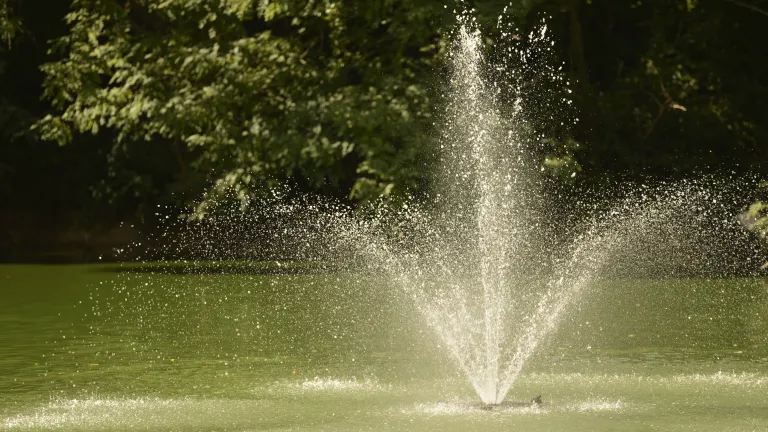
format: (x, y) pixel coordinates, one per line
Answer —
(487, 258)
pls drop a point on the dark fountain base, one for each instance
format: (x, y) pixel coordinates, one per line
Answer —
(535, 402)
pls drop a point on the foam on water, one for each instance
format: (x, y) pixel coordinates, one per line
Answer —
(573, 393)
(335, 384)
(129, 413)
(597, 405)
(470, 408)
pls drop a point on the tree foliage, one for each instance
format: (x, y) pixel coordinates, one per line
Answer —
(672, 90)
(10, 25)
(755, 217)
(155, 101)
(253, 91)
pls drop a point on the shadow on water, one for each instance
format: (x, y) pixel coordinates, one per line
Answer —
(225, 268)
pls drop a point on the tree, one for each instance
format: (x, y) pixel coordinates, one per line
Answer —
(10, 25)
(338, 95)
(254, 91)
(672, 88)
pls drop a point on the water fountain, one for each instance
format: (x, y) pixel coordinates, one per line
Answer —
(483, 257)
(490, 260)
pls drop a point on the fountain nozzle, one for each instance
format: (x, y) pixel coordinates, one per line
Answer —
(536, 401)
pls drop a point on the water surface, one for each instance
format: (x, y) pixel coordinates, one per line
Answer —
(102, 348)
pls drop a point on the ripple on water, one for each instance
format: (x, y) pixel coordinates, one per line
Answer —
(722, 379)
(744, 379)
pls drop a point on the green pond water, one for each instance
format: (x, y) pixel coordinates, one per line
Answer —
(110, 347)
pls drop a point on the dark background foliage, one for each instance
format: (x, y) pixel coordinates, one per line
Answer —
(111, 110)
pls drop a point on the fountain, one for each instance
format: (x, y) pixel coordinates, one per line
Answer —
(480, 258)
(483, 257)
(257, 317)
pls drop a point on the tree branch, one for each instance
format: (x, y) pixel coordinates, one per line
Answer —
(748, 6)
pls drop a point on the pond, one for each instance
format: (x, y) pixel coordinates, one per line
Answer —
(111, 347)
